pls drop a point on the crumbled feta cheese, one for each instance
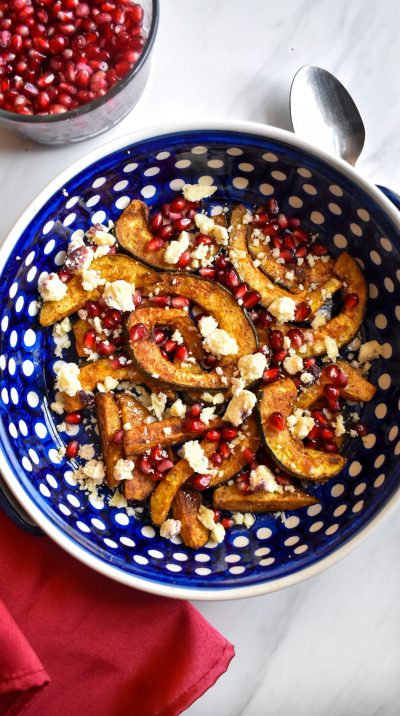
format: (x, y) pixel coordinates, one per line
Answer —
(175, 249)
(50, 287)
(201, 252)
(158, 403)
(237, 385)
(178, 409)
(240, 407)
(252, 367)
(220, 234)
(318, 320)
(207, 414)
(58, 405)
(119, 295)
(170, 528)
(177, 337)
(331, 348)
(204, 224)
(91, 279)
(368, 351)
(218, 533)
(220, 343)
(195, 456)
(123, 470)
(60, 336)
(249, 520)
(300, 424)
(108, 384)
(248, 218)
(68, 379)
(206, 517)
(101, 251)
(94, 469)
(293, 364)
(311, 260)
(307, 378)
(289, 275)
(340, 428)
(117, 500)
(99, 235)
(216, 399)
(355, 344)
(197, 192)
(238, 518)
(207, 325)
(262, 479)
(283, 309)
(87, 451)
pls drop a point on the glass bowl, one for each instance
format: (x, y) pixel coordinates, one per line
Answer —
(99, 115)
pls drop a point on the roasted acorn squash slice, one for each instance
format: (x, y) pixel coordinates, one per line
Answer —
(144, 437)
(108, 420)
(217, 301)
(228, 497)
(133, 234)
(357, 389)
(112, 267)
(133, 412)
(259, 281)
(289, 453)
(185, 508)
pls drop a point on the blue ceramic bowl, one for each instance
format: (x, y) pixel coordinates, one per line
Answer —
(247, 162)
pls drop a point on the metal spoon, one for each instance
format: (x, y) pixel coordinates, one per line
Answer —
(324, 114)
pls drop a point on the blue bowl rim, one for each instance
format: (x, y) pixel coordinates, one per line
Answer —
(150, 585)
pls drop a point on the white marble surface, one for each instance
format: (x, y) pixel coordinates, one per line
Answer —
(331, 645)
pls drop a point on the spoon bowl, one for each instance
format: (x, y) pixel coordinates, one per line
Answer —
(324, 113)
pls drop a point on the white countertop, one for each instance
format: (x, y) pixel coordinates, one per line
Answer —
(331, 645)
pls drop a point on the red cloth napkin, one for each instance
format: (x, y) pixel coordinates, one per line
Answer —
(78, 643)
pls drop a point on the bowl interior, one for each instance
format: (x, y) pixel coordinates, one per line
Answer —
(245, 168)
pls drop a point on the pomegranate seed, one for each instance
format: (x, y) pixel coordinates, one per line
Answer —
(74, 418)
(216, 459)
(251, 299)
(200, 482)
(181, 354)
(201, 239)
(319, 417)
(164, 465)
(170, 346)
(72, 449)
(260, 218)
(224, 450)
(213, 436)
(296, 337)
(194, 410)
(137, 332)
(210, 361)
(92, 308)
(277, 421)
(184, 259)
(241, 291)
(294, 222)
(331, 393)
(287, 256)
(155, 244)
(301, 236)
(271, 374)
(361, 429)
(351, 301)
(289, 243)
(162, 300)
(89, 339)
(137, 297)
(330, 446)
(207, 272)
(231, 279)
(309, 363)
(180, 302)
(193, 425)
(159, 336)
(315, 433)
(182, 224)
(105, 348)
(333, 405)
(178, 204)
(227, 523)
(335, 375)
(282, 221)
(156, 222)
(118, 437)
(166, 232)
(313, 444)
(248, 455)
(222, 263)
(283, 480)
(272, 230)
(319, 250)
(243, 486)
(279, 356)
(64, 276)
(217, 515)
(276, 340)
(302, 311)
(145, 465)
(327, 434)
(272, 206)
(301, 252)
(229, 433)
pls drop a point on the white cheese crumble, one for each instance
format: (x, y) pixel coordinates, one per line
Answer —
(195, 456)
(368, 351)
(91, 279)
(117, 500)
(108, 384)
(252, 367)
(158, 403)
(50, 287)
(307, 378)
(175, 249)
(220, 343)
(340, 428)
(119, 295)
(60, 336)
(300, 423)
(206, 517)
(331, 348)
(207, 414)
(197, 192)
(177, 337)
(216, 399)
(86, 451)
(204, 224)
(178, 409)
(207, 325)
(58, 405)
(318, 320)
(240, 407)
(218, 533)
(262, 479)
(99, 235)
(293, 364)
(283, 309)
(123, 470)
(170, 528)
(94, 469)
(68, 378)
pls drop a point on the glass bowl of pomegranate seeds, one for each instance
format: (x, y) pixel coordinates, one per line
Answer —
(71, 69)
(237, 259)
